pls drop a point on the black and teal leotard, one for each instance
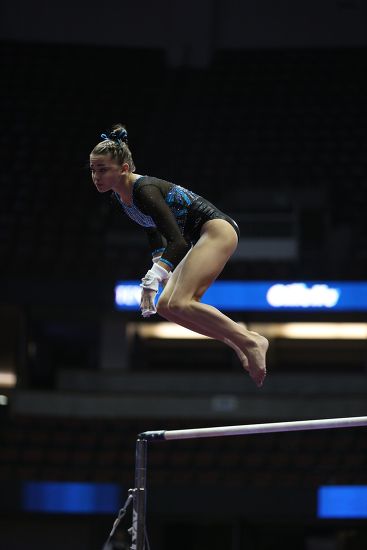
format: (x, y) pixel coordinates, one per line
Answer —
(171, 215)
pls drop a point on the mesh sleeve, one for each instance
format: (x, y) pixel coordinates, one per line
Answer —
(149, 198)
(156, 240)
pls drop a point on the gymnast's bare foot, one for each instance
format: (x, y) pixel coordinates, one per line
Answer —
(241, 356)
(255, 352)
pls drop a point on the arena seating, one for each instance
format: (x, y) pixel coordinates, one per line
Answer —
(104, 451)
(256, 132)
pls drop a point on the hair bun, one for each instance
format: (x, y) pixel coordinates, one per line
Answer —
(117, 134)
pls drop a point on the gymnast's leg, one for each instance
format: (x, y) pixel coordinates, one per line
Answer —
(200, 267)
(206, 332)
(189, 324)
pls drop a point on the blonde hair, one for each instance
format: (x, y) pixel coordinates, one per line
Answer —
(115, 145)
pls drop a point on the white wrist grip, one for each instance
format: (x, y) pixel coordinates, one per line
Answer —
(153, 277)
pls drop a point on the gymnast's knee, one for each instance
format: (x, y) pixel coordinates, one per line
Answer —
(163, 307)
(172, 307)
(178, 306)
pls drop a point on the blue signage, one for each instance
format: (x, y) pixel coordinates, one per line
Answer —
(342, 502)
(70, 497)
(267, 296)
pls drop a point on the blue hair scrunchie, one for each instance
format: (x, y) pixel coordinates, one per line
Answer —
(119, 136)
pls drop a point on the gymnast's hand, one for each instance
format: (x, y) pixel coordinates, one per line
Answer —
(150, 284)
(147, 304)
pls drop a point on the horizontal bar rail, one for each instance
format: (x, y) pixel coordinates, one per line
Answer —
(247, 429)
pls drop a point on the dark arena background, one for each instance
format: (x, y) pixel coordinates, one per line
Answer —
(259, 106)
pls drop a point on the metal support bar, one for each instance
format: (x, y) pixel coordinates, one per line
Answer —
(139, 496)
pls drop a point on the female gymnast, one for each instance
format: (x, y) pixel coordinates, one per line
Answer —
(191, 242)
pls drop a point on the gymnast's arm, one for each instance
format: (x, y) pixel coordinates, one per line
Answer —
(157, 242)
(149, 199)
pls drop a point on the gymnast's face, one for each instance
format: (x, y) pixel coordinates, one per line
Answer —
(107, 174)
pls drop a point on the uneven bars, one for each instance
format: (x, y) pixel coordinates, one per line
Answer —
(247, 429)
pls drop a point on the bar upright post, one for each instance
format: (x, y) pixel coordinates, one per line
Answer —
(139, 496)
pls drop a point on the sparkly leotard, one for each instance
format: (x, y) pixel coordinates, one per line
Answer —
(171, 215)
